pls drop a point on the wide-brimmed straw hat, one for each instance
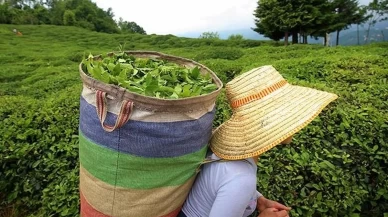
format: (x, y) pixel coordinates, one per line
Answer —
(266, 111)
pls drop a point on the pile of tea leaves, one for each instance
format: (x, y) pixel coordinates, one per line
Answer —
(149, 76)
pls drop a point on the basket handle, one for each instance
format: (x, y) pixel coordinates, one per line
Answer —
(122, 118)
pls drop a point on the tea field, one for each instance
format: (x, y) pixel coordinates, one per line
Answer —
(337, 166)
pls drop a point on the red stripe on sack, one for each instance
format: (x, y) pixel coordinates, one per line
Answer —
(173, 213)
(104, 112)
(108, 127)
(127, 113)
(102, 106)
(122, 114)
(98, 104)
(87, 210)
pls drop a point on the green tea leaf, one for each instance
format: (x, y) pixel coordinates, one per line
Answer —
(174, 76)
(186, 90)
(166, 89)
(148, 79)
(155, 72)
(196, 90)
(117, 69)
(126, 66)
(151, 87)
(210, 87)
(135, 89)
(178, 89)
(174, 96)
(186, 76)
(195, 72)
(167, 78)
(319, 196)
(111, 66)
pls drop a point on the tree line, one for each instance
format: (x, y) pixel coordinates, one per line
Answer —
(81, 13)
(275, 19)
(298, 19)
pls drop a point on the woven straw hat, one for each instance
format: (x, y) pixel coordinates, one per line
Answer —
(266, 111)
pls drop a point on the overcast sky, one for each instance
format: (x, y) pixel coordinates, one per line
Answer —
(181, 16)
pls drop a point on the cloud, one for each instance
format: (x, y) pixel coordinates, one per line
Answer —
(180, 16)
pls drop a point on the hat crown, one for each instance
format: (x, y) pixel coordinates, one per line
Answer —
(258, 80)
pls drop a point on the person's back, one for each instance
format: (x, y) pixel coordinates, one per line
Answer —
(222, 184)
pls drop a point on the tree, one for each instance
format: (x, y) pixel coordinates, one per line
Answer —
(347, 12)
(42, 14)
(104, 22)
(130, 27)
(377, 10)
(5, 13)
(324, 23)
(267, 31)
(280, 18)
(69, 18)
(277, 19)
(82, 13)
(274, 17)
(57, 11)
(210, 35)
(383, 7)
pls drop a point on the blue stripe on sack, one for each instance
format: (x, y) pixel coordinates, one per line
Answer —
(147, 139)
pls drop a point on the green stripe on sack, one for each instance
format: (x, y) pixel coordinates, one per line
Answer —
(129, 171)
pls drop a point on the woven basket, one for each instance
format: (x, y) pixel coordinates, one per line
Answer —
(139, 154)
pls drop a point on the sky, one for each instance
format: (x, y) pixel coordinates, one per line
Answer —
(185, 16)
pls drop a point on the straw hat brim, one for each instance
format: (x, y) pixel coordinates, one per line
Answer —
(260, 125)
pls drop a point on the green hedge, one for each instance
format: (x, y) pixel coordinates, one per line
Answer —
(39, 153)
(337, 166)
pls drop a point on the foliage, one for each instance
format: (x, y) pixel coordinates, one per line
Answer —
(348, 12)
(130, 27)
(223, 111)
(280, 18)
(210, 35)
(69, 18)
(236, 37)
(82, 13)
(378, 9)
(381, 6)
(220, 53)
(279, 15)
(335, 167)
(5, 14)
(149, 77)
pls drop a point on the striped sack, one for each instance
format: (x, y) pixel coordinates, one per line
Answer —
(139, 154)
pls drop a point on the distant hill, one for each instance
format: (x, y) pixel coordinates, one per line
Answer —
(347, 37)
(379, 32)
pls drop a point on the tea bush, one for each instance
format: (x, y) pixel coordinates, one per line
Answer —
(220, 53)
(39, 150)
(337, 166)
